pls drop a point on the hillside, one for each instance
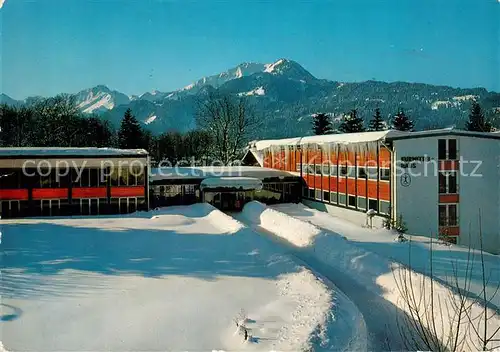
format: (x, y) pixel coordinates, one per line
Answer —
(285, 96)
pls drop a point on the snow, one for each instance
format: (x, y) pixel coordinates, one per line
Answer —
(150, 119)
(297, 231)
(270, 67)
(341, 139)
(188, 87)
(240, 183)
(256, 91)
(95, 102)
(353, 139)
(364, 264)
(381, 242)
(64, 152)
(172, 279)
(216, 171)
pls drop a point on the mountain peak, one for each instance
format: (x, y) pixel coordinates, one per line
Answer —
(289, 68)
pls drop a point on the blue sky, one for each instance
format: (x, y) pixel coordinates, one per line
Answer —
(53, 46)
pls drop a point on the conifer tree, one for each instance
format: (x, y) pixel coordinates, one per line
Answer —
(352, 123)
(377, 124)
(401, 122)
(130, 135)
(321, 124)
(477, 122)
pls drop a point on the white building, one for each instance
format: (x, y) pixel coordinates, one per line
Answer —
(442, 183)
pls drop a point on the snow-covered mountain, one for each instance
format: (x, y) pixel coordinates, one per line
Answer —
(5, 99)
(285, 96)
(282, 67)
(100, 99)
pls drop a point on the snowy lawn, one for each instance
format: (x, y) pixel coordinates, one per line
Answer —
(173, 279)
(447, 259)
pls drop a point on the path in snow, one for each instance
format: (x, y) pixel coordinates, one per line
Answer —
(378, 313)
(381, 242)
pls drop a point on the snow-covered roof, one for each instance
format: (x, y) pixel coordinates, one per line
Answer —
(65, 152)
(173, 173)
(447, 131)
(343, 138)
(348, 139)
(240, 183)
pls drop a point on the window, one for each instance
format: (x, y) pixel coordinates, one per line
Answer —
(362, 203)
(351, 171)
(372, 173)
(342, 199)
(452, 149)
(343, 171)
(333, 170)
(311, 193)
(385, 174)
(333, 197)
(447, 149)
(385, 207)
(326, 169)
(442, 215)
(448, 215)
(372, 204)
(362, 172)
(442, 149)
(318, 194)
(452, 215)
(297, 167)
(452, 182)
(326, 196)
(448, 182)
(318, 169)
(352, 201)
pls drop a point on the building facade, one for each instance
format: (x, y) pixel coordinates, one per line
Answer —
(226, 188)
(72, 181)
(440, 183)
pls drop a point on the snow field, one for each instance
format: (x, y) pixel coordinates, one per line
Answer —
(377, 274)
(172, 279)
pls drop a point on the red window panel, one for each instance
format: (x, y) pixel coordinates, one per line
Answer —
(372, 189)
(13, 194)
(450, 230)
(134, 191)
(449, 198)
(385, 191)
(351, 186)
(448, 165)
(361, 188)
(333, 184)
(342, 185)
(384, 157)
(50, 193)
(89, 192)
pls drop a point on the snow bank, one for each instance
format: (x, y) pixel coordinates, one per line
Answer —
(375, 273)
(295, 231)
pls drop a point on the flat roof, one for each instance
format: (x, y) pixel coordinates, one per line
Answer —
(340, 138)
(202, 172)
(447, 132)
(69, 152)
(366, 137)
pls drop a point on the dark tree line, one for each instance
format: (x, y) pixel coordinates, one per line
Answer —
(52, 122)
(352, 123)
(225, 125)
